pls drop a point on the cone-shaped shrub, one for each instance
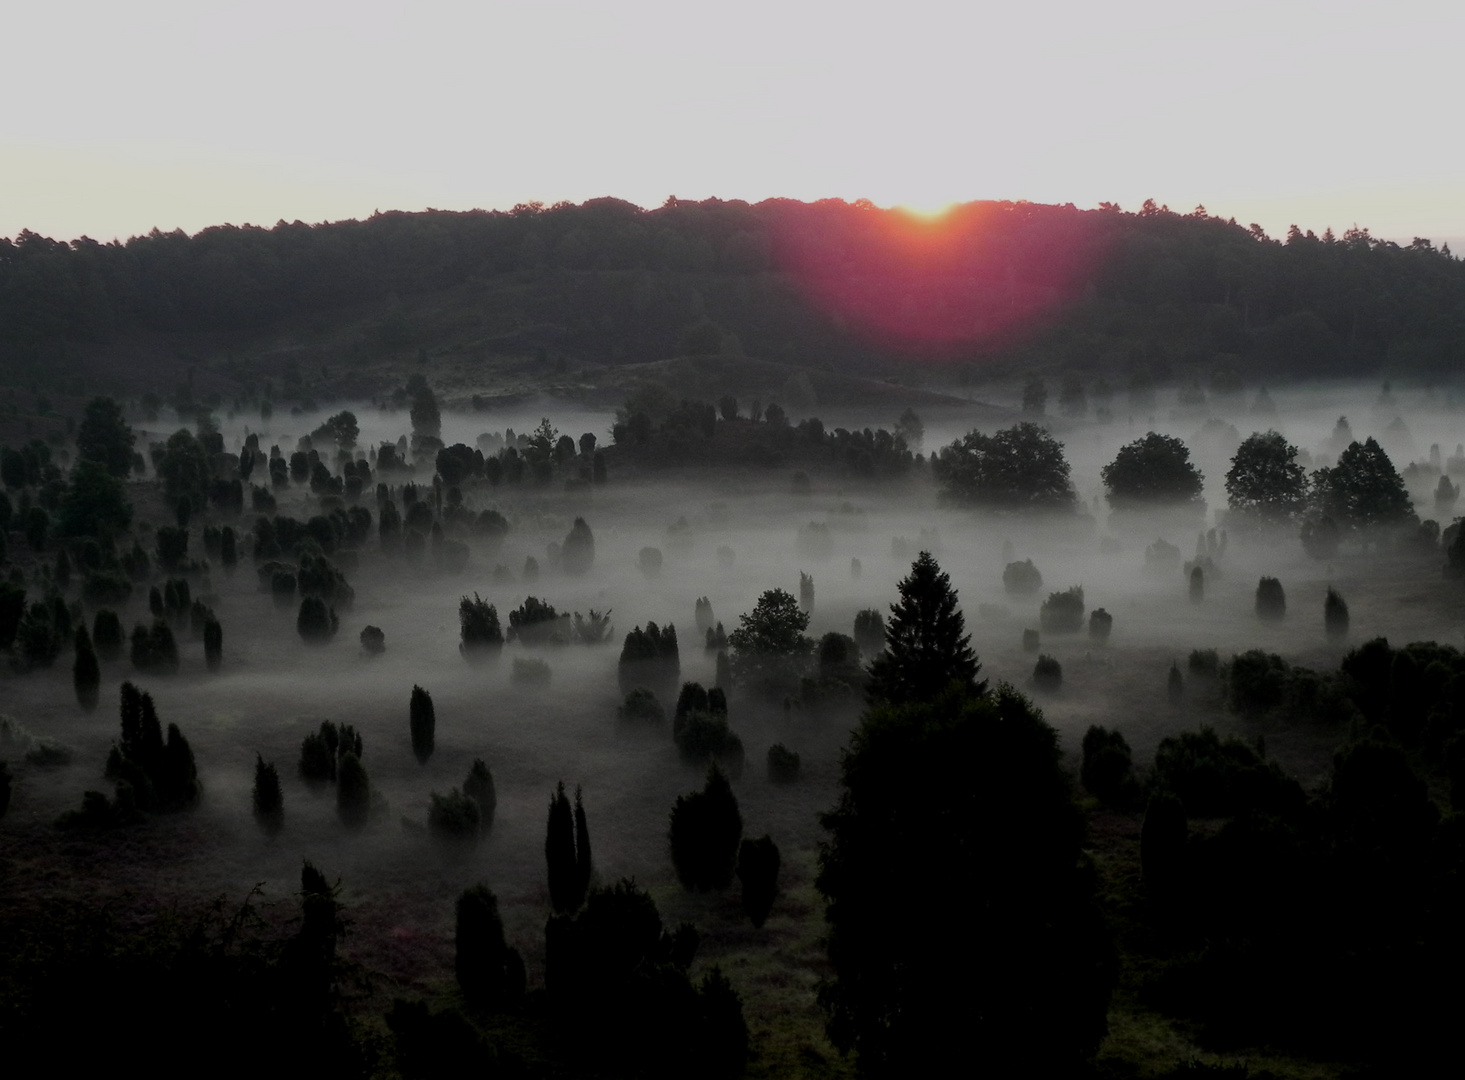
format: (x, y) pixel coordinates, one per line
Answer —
(213, 644)
(86, 672)
(584, 866)
(353, 791)
(1162, 841)
(1335, 615)
(758, 863)
(566, 892)
(706, 827)
(1271, 601)
(107, 636)
(269, 799)
(481, 957)
(1197, 585)
(1175, 682)
(577, 554)
(1047, 673)
(479, 787)
(453, 817)
(783, 764)
(423, 721)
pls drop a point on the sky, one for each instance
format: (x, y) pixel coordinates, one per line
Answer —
(120, 118)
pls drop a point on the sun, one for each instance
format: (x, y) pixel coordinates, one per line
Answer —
(922, 210)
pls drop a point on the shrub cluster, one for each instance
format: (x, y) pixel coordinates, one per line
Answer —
(706, 827)
(1062, 612)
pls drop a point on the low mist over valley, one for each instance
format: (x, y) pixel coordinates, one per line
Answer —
(563, 645)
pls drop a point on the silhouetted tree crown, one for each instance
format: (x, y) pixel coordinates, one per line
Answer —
(1030, 979)
(1018, 468)
(1153, 470)
(1265, 479)
(1363, 490)
(926, 644)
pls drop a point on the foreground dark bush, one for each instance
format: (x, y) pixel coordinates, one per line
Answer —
(489, 971)
(706, 827)
(1025, 987)
(758, 863)
(619, 985)
(1108, 766)
(783, 764)
(1215, 777)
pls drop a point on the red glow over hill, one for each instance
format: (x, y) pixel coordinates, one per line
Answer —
(976, 277)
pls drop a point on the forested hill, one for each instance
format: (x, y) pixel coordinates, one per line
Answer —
(986, 288)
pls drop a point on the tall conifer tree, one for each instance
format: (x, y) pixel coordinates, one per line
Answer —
(926, 644)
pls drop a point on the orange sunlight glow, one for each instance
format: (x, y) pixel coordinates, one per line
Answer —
(959, 282)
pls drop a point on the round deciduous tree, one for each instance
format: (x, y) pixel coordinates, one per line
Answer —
(1265, 481)
(1152, 471)
(1018, 468)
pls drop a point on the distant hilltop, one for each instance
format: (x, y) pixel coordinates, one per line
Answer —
(513, 301)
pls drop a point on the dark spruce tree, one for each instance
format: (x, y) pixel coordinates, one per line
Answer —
(926, 644)
(706, 827)
(565, 891)
(86, 671)
(479, 787)
(758, 864)
(269, 798)
(1022, 988)
(423, 721)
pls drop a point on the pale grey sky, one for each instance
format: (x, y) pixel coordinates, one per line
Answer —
(185, 113)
